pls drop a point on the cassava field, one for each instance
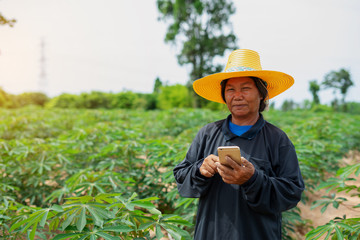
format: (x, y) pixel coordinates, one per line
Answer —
(107, 174)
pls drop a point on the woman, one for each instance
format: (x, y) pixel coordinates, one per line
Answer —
(241, 201)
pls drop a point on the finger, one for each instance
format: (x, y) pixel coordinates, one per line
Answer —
(206, 173)
(227, 179)
(245, 162)
(209, 174)
(216, 158)
(232, 163)
(224, 170)
(210, 169)
(212, 165)
(213, 158)
(211, 161)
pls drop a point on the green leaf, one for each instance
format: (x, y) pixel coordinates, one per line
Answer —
(118, 228)
(144, 226)
(43, 219)
(180, 222)
(173, 233)
(57, 208)
(17, 225)
(107, 236)
(177, 230)
(66, 236)
(81, 220)
(159, 234)
(339, 234)
(146, 205)
(33, 219)
(33, 231)
(130, 206)
(324, 208)
(155, 211)
(317, 232)
(68, 220)
(345, 226)
(186, 202)
(134, 195)
(84, 237)
(99, 221)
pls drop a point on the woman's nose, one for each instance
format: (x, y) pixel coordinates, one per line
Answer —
(238, 95)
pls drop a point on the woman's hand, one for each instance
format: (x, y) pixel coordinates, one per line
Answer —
(236, 174)
(208, 167)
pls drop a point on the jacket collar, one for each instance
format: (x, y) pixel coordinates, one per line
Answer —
(250, 134)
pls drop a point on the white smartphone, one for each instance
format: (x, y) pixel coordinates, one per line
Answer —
(232, 151)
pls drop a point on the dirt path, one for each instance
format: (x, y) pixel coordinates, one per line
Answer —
(316, 218)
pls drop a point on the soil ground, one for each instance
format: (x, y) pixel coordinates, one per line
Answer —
(315, 217)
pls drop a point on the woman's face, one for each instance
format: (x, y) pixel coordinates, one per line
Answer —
(242, 97)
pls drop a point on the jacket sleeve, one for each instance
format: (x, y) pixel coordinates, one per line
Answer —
(189, 180)
(279, 193)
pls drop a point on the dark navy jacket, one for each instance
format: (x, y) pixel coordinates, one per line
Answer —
(250, 211)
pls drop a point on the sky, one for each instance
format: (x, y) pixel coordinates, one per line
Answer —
(118, 45)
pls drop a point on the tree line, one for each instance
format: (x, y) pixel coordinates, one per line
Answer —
(166, 96)
(163, 97)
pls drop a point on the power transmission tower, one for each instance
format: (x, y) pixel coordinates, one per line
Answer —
(42, 84)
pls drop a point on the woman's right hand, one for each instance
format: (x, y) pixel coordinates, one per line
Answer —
(208, 167)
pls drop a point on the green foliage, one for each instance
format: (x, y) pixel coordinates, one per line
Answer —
(321, 139)
(147, 101)
(7, 100)
(314, 89)
(96, 100)
(175, 96)
(21, 100)
(352, 107)
(109, 216)
(338, 228)
(32, 98)
(157, 85)
(3, 98)
(203, 30)
(64, 100)
(288, 105)
(290, 219)
(54, 160)
(48, 156)
(338, 80)
(321, 108)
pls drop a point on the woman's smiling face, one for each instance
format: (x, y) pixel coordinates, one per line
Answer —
(242, 98)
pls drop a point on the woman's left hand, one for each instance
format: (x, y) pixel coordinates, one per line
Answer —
(236, 173)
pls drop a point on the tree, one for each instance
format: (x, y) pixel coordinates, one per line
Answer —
(4, 21)
(203, 29)
(340, 80)
(314, 89)
(288, 105)
(157, 85)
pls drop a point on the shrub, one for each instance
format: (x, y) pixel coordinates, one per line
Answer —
(175, 96)
(32, 98)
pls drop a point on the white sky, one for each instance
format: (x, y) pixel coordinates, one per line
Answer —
(117, 45)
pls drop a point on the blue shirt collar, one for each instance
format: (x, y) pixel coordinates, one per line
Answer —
(250, 134)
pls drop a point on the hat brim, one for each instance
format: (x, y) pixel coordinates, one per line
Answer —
(209, 87)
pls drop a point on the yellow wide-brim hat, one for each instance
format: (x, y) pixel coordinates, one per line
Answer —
(242, 63)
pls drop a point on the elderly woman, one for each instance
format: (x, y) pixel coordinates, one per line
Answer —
(241, 201)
